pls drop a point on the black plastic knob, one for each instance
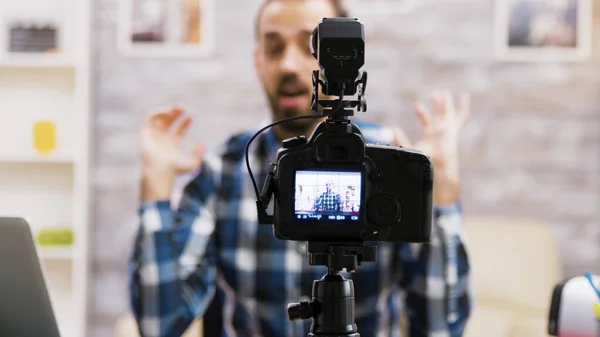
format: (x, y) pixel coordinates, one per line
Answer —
(297, 311)
(293, 142)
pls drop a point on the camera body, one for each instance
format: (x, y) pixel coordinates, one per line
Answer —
(388, 190)
(334, 187)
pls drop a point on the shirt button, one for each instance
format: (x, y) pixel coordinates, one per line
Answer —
(301, 247)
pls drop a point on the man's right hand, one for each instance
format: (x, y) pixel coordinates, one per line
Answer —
(162, 156)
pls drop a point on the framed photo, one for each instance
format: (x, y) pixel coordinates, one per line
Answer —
(359, 8)
(166, 28)
(543, 30)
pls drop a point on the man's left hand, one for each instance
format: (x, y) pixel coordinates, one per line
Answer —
(440, 141)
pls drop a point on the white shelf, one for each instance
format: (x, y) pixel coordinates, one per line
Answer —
(44, 94)
(22, 60)
(55, 253)
(31, 158)
(44, 194)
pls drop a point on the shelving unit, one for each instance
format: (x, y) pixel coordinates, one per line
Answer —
(51, 190)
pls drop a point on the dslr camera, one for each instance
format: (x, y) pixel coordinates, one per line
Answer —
(334, 186)
(338, 192)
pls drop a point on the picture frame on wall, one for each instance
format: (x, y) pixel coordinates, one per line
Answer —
(359, 8)
(166, 28)
(543, 30)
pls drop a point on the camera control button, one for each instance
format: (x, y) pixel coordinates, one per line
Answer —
(293, 142)
(376, 176)
(383, 210)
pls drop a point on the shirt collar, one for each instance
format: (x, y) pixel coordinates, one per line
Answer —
(272, 144)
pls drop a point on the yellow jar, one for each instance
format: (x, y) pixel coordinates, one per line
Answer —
(44, 136)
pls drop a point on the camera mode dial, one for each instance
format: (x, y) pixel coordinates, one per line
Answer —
(383, 210)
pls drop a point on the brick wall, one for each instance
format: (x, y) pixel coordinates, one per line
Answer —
(532, 148)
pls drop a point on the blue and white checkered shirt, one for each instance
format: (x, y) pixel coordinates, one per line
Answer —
(208, 257)
(328, 201)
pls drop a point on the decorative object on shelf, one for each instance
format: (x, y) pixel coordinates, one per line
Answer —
(44, 136)
(360, 8)
(58, 236)
(33, 36)
(177, 28)
(543, 30)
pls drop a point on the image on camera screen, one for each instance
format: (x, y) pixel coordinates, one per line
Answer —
(328, 195)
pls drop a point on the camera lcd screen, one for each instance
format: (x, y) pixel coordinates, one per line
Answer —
(328, 195)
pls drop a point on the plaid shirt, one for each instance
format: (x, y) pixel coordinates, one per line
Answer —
(328, 201)
(207, 257)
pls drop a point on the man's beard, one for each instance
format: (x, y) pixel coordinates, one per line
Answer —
(291, 85)
(299, 126)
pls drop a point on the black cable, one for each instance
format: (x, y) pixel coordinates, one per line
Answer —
(337, 108)
(258, 133)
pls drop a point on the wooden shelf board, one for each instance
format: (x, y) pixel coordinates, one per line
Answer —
(56, 253)
(25, 60)
(36, 158)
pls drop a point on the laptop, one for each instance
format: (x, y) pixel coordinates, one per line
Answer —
(25, 306)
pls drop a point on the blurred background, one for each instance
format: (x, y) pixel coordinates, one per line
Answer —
(78, 77)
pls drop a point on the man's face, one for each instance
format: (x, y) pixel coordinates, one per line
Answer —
(328, 186)
(283, 60)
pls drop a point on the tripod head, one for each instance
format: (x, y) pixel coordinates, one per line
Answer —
(339, 256)
(332, 305)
